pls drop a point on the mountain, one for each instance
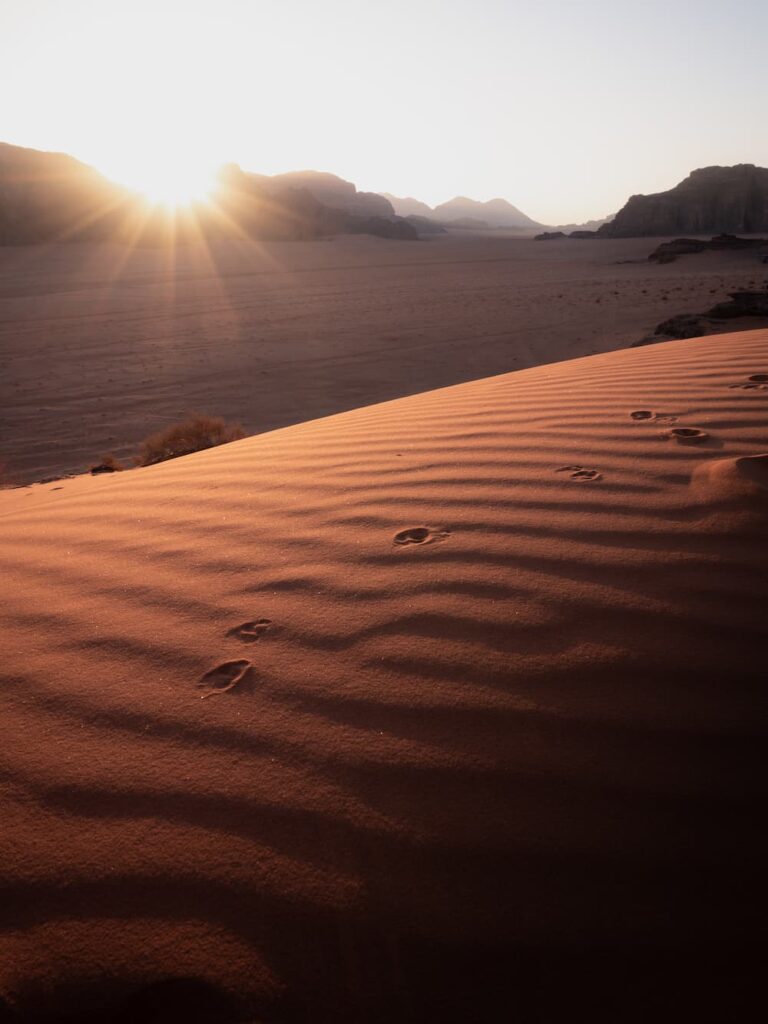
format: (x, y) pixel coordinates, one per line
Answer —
(711, 200)
(337, 193)
(462, 212)
(497, 213)
(408, 207)
(52, 196)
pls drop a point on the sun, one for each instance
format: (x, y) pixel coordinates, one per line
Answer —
(171, 183)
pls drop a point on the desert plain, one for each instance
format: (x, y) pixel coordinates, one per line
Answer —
(101, 346)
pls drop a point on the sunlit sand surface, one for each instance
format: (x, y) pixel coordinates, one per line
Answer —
(405, 714)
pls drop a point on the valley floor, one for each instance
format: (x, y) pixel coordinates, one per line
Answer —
(100, 347)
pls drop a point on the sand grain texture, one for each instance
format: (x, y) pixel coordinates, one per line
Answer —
(493, 738)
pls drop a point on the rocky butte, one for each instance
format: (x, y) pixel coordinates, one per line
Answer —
(710, 200)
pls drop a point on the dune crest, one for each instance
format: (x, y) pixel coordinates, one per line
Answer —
(484, 730)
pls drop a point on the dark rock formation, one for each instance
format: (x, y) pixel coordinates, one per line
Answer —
(668, 252)
(425, 226)
(709, 200)
(714, 321)
(741, 304)
(734, 243)
(384, 227)
(551, 236)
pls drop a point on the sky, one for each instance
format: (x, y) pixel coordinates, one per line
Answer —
(563, 107)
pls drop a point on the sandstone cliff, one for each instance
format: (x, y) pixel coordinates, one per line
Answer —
(709, 201)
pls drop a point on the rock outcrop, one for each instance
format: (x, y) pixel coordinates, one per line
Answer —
(551, 236)
(752, 304)
(710, 200)
(741, 304)
(668, 252)
(425, 226)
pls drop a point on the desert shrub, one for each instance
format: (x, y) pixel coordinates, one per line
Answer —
(107, 464)
(193, 435)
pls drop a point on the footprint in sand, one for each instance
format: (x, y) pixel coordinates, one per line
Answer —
(688, 435)
(658, 417)
(250, 632)
(420, 535)
(580, 473)
(225, 677)
(755, 382)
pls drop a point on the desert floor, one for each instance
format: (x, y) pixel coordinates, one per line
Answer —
(446, 709)
(100, 347)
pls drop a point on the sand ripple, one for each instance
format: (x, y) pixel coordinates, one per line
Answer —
(486, 665)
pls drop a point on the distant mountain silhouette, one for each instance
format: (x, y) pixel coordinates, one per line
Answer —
(497, 213)
(462, 212)
(711, 200)
(53, 197)
(470, 214)
(337, 193)
(408, 207)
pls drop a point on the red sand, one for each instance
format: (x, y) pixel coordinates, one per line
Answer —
(507, 766)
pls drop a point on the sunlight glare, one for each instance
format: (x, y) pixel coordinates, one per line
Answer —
(172, 183)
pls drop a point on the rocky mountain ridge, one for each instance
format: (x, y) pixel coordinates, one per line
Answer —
(52, 196)
(711, 200)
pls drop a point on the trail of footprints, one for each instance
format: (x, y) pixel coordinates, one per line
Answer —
(238, 674)
(683, 435)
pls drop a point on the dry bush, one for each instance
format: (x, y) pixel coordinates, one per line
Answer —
(108, 464)
(193, 435)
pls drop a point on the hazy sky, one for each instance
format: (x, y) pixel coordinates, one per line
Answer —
(563, 107)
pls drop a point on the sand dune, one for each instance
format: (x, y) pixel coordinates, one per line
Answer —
(478, 739)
